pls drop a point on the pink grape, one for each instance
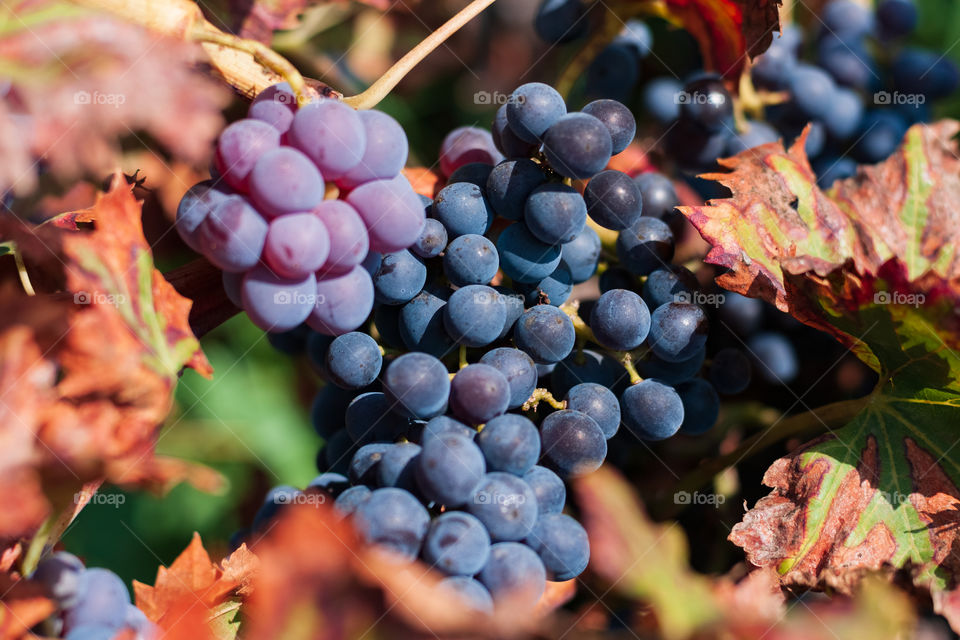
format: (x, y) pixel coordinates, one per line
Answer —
(297, 244)
(349, 241)
(385, 152)
(331, 134)
(285, 181)
(343, 302)
(274, 303)
(232, 236)
(240, 146)
(465, 145)
(392, 212)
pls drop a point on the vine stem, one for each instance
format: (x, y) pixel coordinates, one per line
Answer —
(385, 83)
(542, 395)
(54, 526)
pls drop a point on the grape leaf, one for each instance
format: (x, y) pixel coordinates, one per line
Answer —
(873, 261)
(23, 604)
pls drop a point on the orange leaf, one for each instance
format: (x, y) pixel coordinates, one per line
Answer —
(22, 605)
(424, 181)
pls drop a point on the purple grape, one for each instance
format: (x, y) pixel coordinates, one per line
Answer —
(274, 303)
(285, 181)
(573, 442)
(102, 601)
(239, 147)
(233, 286)
(343, 302)
(297, 244)
(478, 392)
(392, 212)
(232, 236)
(384, 154)
(194, 207)
(349, 242)
(331, 134)
(466, 145)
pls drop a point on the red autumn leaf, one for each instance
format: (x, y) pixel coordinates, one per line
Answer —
(22, 605)
(425, 181)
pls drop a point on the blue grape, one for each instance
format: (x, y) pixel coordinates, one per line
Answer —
(397, 467)
(618, 120)
(285, 181)
(399, 278)
(417, 385)
(329, 410)
(474, 315)
(60, 575)
(101, 601)
(518, 369)
(613, 73)
(470, 259)
(478, 392)
(394, 519)
(613, 200)
(561, 21)
(658, 196)
(532, 109)
(701, 406)
(507, 141)
(368, 418)
(348, 501)
(772, 69)
(514, 575)
(353, 360)
(275, 105)
(774, 357)
(510, 443)
(812, 90)
(730, 371)
(637, 35)
(616, 278)
(545, 333)
(695, 149)
(523, 257)
(831, 169)
(391, 211)
(449, 469)
(445, 424)
(510, 184)
(239, 147)
(744, 315)
(847, 18)
(467, 145)
(896, 17)
(336, 453)
(316, 348)
(757, 134)
(707, 104)
(365, 462)
(297, 244)
(457, 544)
(548, 488)
(349, 241)
(505, 504)
(849, 63)
(620, 320)
(553, 290)
(334, 483)
(385, 152)
(432, 240)
(277, 498)
(881, 133)
(599, 403)
(672, 284)
(331, 134)
(138, 622)
(555, 213)
(277, 304)
(651, 410)
(512, 307)
(645, 245)
(421, 323)
(660, 99)
(194, 207)
(562, 544)
(677, 331)
(581, 255)
(472, 594)
(672, 372)
(386, 318)
(586, 366)
(573, 442)
(343, 302)
(474, 172)
(232, 235)
(578, 146)
(462, 209)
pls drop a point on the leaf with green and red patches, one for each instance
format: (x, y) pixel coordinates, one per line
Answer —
(873, 261)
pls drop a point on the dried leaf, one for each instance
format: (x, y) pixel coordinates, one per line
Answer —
(22, 605)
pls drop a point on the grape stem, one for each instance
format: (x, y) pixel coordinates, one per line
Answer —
(463, 356)
(55, 525)
(627, 361)
(385, 83)
(542, 395)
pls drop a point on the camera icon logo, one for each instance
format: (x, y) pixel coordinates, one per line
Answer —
(882, 97)
(482, 497)
(81, 297)
(281, 297)
(482, 97)
(681, 497)
(81, 97)
(683, 297)
(881, 297)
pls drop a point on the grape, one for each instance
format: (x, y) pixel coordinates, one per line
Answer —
(673, 284)
(518, 369)
(578, 146)
(510, 184)
(348, 236)
(297, 244)
(399, 278)
(896, 17)
(844, 118)
(317, 345)
(470, 260)
(573, 442)
(744, 315)
(505, 504)
(457, 544)
(60, 575)
(450, 467)
(881, 133)
(586, 366)
(554, 289)
(616, 278)
(849, 63)
(275, 105)
(772, 69)
(599, 403)
(812, 90)
(693, 148)
(847, 18)
(613, 72)
(284, 181)
(637, 35)
(658, 196)
(831, 169)
(331, 482)
(194, 207)
(545, 333)
(613, 200)
(651, 410)
(645, 245)
(329, 410)
(274, 303)
(507, 141)
(462, 209)
(392, 212)
(581, 255)
(548, 488)
(239, 147)
(660, 98)
(384, 155)
(730, 371)
(561, 542)
(91, 632)
(555, 213)
(421, 324)
(672, 372)
(364, 464)
(417, 385)
(757, 134)
(398, 465)
(523, 257)
(101, 600)
(343, 302)
(336, 453)
(617, 118)
(478, 392)
(445, 424)
(276, 499)
(467, 145)
(394, 519)
(138, 622)
(775, 357)
(474, 315)
(472, 594)
(353, 360)
(475, 173)
(532, 109)
(232, 235)
(514, 575)
(331, 134)
(512, 307)
(620, 320)
(432, 240)
(677, 331)
(348, 501)
(701, 406)
(368, 418)
(706, 103)
(510, 443)
(561, 21)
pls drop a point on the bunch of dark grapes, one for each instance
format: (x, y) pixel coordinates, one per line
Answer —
(92, 604)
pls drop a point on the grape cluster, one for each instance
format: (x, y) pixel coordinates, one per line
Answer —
(92, 604)
(300, 199)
